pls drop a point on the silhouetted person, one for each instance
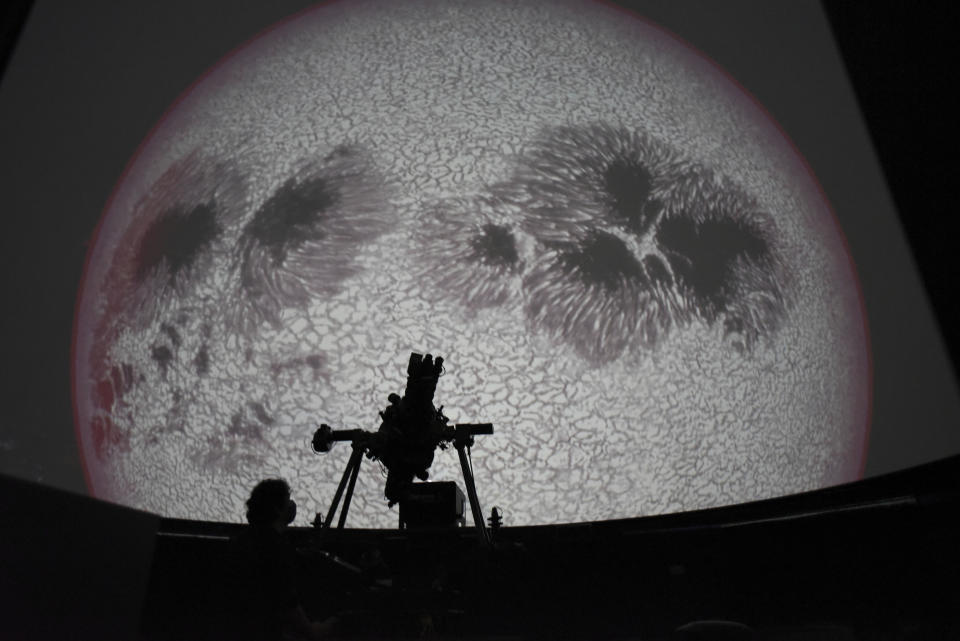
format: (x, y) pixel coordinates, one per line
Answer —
(268, 570)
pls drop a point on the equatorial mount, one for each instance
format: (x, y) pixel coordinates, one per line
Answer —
(411, 429)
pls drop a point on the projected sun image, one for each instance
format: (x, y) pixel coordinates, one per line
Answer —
(627, 267)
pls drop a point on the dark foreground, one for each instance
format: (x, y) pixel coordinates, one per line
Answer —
(877, 559)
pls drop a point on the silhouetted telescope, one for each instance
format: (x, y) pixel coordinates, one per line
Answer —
(411, 429)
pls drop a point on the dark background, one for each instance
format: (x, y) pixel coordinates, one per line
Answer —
(92, 79)
(901, 60)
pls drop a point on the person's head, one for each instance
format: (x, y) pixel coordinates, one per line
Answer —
(270, 505)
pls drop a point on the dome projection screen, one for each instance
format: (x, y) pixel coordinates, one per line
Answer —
(627, 265)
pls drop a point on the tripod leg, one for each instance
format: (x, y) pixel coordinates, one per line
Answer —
(350, 486)
(472, 495)
(354, 462)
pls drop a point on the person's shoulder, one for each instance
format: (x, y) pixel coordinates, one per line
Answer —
(253, 541)
(265, 541)
(243, 538)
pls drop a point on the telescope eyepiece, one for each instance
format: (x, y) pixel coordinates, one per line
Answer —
(472, 429)
(323, 438)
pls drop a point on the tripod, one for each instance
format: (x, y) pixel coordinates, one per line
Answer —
(462, 437)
